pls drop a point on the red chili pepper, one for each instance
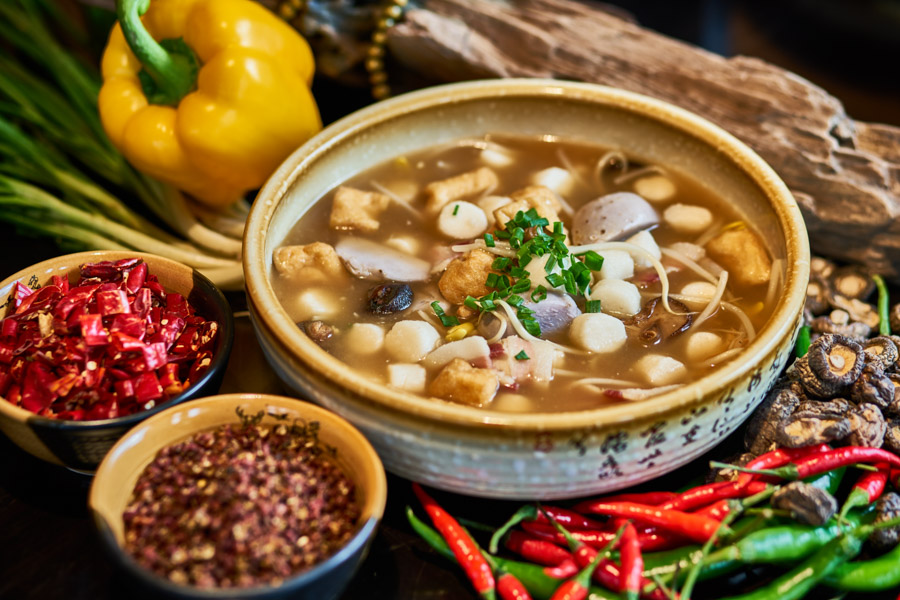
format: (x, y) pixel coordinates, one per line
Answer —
(567, 518)
(510, 588)
(717, 510)
(563, 570)
(464, 548)
(833, 459)
(577, 587)
(537, 550)
(651, 539)
(713, 492)
(696, 527)
(867, 489)
(779, 457)
(648, 498)
(632, 562)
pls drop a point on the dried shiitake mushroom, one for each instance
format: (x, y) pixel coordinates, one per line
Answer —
(852, 281)
(822, 267)
(867, 426)
(887, 508)
(318, 331)
(873, 386)
(892, 436)
(817, 294)
(389, 298)
(807, 503)
(814, 423)
(831, 366)
(762, 429)
(827, 324)
(859, 311)
(881, 349)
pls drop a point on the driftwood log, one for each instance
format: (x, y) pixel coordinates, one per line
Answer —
(844, 174)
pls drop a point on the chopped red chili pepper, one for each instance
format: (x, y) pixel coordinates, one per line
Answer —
(464, 548)
(106, 346)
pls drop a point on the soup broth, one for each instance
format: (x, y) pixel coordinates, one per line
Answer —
(526, 275)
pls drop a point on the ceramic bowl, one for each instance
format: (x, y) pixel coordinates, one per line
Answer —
(119, 471)
(81, 445)
(559, 455)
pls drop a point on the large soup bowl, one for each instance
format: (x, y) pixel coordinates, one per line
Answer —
(489, 453)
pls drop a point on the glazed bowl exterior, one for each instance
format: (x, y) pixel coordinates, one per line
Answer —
(544, 455)
(119, 472)
(81, 445)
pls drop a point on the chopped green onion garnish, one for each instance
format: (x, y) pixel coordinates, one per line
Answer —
(455, 209)
(555, 280)
(592, 260)
(521, 355)
(539, 293)
(522, 285)
(489, 240)
(532, 327)
(500, 263)
(446, 320)
(471, 302)
(515, 301)
(592, 306)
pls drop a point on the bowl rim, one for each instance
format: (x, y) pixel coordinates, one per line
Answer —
(219, 362)
(275, 319)
(376, 496)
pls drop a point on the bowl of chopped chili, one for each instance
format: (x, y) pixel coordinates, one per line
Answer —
(240, 496)
(92, 343)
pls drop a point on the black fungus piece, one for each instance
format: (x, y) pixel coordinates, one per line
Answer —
(727, 473)
(779, 403)
(831, 366)
(655, 324)
(807, 503)
(867, 426)
(809, 426)
(318, 331)
(817, 294)
(853, 330)
(892, 436)
(852, 281)
(887, 508)
(873, 386)
(883, 350)
(389, 298)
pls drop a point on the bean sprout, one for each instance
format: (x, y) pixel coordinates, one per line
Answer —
(714, 301)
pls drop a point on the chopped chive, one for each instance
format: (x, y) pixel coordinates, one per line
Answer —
(539, 293)
(515, 300)
(446, 320)
(489, 240)
(518, 272)
(551, 264)
(532, 327)
(455, 209)
(569, 284)
(592, 260)
(592, 306)
(521, 355)
(522, 285)
(487, 304)
(502, 234)
(500, 263)
(557, 227)
(471, 302)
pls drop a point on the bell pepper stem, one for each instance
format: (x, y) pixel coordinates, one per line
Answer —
(173, 73)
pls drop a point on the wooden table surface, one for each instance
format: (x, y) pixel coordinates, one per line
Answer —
(48, 546)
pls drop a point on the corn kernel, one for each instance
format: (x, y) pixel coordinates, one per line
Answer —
(756, 308)
(458, 332)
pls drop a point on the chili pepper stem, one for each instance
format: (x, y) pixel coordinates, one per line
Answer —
(529, 512)
(694, 571)
(173, 73)
(770, 472)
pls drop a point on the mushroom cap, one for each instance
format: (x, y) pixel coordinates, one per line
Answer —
(831, 366)
(612, 217)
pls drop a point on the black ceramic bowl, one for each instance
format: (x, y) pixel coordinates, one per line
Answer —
(81, 445)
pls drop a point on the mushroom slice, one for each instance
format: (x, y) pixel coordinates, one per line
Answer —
(831, 366)
(612, 217)
(852, 282)
(655, 324)
(370, 260)
(388, 298)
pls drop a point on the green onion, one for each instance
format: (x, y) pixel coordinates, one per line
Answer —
(446, 320)
(455, 209)
(539, 293)
(532, 327)
(515, 301)
(555, 280)
(592, 306)
(500, 263)
(592, 260)
(521, 286)
(489, 240)
(472, 303)
(521, 355)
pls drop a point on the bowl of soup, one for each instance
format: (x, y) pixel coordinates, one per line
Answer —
(528, 288)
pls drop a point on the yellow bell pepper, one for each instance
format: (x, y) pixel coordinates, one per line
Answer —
(216, 104)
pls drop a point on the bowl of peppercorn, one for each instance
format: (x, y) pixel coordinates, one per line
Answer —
(240, 496)
(92, 343)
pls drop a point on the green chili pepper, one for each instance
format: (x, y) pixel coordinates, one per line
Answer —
(803, 341)
(884, 321)
(876, 575)
(830, 481)
(668, 563)
(795, 584)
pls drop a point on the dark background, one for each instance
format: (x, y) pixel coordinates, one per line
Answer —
(48, 547)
